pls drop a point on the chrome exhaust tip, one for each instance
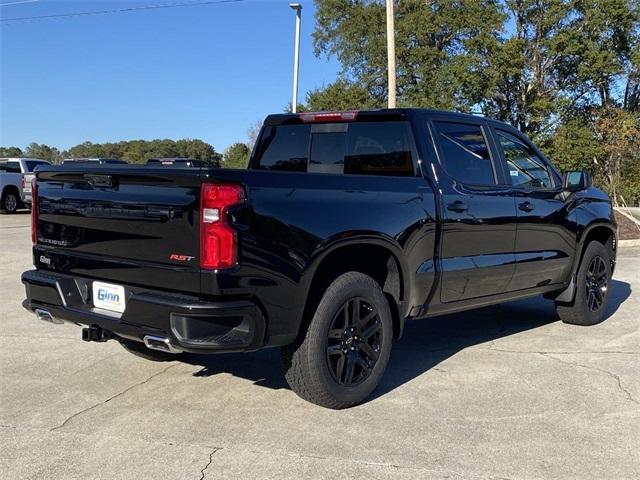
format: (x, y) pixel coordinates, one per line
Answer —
(161, 344)
(45, 316)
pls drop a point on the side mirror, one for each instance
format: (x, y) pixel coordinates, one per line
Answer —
(576, 180)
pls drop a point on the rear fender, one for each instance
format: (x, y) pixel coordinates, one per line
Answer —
(350, 239)
(567, 295)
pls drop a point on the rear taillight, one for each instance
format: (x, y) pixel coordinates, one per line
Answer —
(24, 183)
(218, 240)
(34, 211)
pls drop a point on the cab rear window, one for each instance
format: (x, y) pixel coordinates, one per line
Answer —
(31, 165)
(359, 148)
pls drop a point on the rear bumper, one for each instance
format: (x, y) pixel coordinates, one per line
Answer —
(190, 324)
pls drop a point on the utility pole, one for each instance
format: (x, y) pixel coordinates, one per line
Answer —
(296, 56)
(391, 56)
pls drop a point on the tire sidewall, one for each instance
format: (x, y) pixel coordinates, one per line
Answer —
(5, 198)
(345, 287)
(593, 249)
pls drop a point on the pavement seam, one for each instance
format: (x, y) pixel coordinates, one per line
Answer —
(374, 464)
(616, 377)
(203, 471)
(119, 394)
(557, 352)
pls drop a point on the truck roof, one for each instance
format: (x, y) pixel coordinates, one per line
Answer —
(100, 160)
(19, 159)
(365, 115)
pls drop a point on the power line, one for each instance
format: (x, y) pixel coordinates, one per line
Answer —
(120, 10)
(18, 2)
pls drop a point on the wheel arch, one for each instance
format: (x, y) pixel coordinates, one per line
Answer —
(374, 255)
(10, 188)
(602, 232)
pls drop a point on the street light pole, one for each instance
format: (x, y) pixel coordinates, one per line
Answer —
(296, 56)
(391, 56)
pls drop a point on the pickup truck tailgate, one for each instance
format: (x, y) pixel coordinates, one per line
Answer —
(126, 224)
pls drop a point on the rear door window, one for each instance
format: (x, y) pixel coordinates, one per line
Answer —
(13, 167)
(359, 148)
(465, 154)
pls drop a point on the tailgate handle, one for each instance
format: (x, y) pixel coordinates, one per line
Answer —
(98, 180)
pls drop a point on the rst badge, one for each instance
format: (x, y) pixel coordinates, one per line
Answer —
(180, 258)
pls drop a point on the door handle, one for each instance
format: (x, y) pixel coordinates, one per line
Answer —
(526, 206)
(457, 206)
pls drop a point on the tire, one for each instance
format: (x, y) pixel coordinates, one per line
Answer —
(342, 355)
(139, 349)
(9, 202)
(593, 281)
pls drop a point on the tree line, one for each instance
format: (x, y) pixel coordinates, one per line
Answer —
(133, 151)
(139, 151)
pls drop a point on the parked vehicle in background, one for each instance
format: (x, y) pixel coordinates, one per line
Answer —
(15, 182)
(181, 162)
(97, 161)
(345, 225)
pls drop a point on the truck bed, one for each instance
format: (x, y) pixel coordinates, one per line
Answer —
(138, 226)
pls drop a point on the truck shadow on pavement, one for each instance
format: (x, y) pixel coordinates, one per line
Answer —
(424, 345)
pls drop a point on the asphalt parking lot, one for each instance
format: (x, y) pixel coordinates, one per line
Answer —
(502, 392)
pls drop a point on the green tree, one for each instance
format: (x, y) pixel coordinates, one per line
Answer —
(598, 51)
(618, 132)
(574, 145)
(528, 62)
(340, 95)
(525, 85)
(44, 152)
(605, 141)
(96, 150)
(10, 152)
(197, 149)
(440, 48)
(236, 156)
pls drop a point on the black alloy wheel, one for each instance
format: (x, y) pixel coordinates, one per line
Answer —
(354, 342)
(597, 280)
(593, 285)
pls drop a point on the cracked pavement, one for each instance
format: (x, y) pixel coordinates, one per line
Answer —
(501, 392)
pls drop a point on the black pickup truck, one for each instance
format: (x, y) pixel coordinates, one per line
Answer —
(345, 225)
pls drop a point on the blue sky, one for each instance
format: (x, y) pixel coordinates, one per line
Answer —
(192, 72)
